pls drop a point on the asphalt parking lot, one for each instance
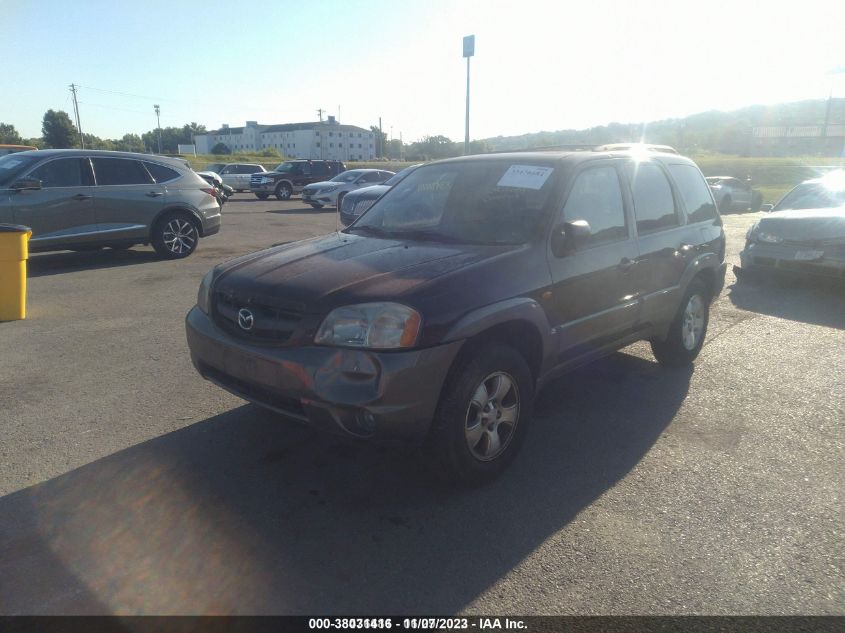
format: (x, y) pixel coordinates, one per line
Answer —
(130, 485)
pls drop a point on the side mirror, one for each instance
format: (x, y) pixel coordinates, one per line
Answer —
(767, 207)
(568, 236)
(26, 184)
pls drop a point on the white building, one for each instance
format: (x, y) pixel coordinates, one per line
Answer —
(319, 139)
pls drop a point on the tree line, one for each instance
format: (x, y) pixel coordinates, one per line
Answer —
(59, 132)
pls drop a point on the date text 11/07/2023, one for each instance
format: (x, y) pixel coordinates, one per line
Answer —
(431, 624)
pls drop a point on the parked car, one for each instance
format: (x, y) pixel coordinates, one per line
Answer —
(86, 199)
(331, 192)
(237, 175)
(733, 194)
(292, 176)
(224, 191)
(438, 315)
(356, 202)
(805, 233)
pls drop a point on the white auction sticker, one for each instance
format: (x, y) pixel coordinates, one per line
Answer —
(525, 176)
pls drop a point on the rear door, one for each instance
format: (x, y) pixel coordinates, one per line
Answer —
(62, 211)
(664, 244)
(230, 175)
(126, 198)
(594, 300)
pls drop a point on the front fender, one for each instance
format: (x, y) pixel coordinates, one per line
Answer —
(701, 263)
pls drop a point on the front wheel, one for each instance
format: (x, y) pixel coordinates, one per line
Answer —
(725, 206)
(262, 196)
(756, 201)
(175, 236)
(314, 205)
(688, 329)
(483, 415)
(284, 191)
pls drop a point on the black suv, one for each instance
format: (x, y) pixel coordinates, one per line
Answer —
(292, 176)
(439, 313)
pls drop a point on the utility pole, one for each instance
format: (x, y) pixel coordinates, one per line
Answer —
(320, 114)
(76, 114)
(469, 51)
(158, 119)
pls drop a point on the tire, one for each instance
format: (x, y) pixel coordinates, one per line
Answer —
(484, 390)
(314, 205)
(175, 235)
(756, 200)
(340, 198)
(283, 191)
(262, 196)
(725, 206)
(688, 330)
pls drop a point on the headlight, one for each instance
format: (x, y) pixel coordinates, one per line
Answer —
(204, 294)
(371, 325)
(768, 238)
(264, 180)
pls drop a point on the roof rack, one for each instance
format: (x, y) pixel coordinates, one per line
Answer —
(621, 147)
(610, 147)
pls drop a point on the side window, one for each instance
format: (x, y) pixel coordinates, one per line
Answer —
(306, 169)
(161, 173)
(319, 169)
(63, 172)
(596, 197)
(653, 202)
(120, 171)
(694, 191)
(229, 169)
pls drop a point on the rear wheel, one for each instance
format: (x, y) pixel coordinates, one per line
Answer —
(483, 415)
(315, 205)
(284, 191)
(175, 236)
(725, 206)
(262, 196)
(688, 329)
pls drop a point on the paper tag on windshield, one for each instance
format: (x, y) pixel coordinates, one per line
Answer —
(525, 176)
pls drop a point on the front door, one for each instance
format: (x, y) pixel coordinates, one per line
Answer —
(62, 211)
(594, 300)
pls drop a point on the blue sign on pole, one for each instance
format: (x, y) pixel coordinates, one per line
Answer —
(469, 46)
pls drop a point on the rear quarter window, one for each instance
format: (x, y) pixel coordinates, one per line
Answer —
(694, 192)
(161, 173)
(120, 171)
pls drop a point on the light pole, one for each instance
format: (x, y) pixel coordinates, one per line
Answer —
(158, 119)
(469, 51)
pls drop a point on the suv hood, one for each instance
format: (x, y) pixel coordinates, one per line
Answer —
(318, 275)
(806, 224)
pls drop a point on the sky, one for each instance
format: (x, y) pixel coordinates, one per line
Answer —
(538, 65)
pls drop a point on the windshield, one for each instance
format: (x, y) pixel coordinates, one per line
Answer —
(395, 179)
(348, 176)
(811, 196)
(215, 167)
(480, 201)
(289, 168)
(13, 164)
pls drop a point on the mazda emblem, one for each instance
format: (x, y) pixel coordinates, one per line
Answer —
(246, 319)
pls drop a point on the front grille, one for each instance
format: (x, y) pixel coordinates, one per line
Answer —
(271, 323)
(362, 206)
(260, 395)
(255, 179)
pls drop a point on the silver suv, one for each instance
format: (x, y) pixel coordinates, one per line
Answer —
(86, 199)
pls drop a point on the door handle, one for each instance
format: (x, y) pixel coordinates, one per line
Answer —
(153, 194)
(626, 264)
(80, 197)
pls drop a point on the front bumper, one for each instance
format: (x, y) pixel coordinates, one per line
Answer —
(329, 199)
(387, 395)
(268, 187)
(825, 261)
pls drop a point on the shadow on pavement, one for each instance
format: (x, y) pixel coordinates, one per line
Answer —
(246, 513)
(41, 264)
(303, 210)
(808, 300)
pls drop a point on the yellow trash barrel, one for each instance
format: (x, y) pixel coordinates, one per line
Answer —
(14, 242)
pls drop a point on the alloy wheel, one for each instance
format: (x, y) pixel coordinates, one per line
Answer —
(492, 416)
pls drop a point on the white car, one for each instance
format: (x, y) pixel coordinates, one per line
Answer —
(236, 175)
(331, 192)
